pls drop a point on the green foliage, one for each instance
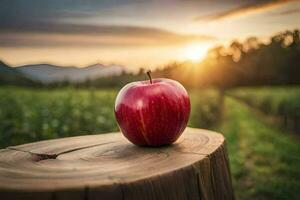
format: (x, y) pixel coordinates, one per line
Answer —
(206, 109)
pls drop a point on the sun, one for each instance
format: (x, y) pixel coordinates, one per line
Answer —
(195, 52)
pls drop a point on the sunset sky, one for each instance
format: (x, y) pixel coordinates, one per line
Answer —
(134, 33)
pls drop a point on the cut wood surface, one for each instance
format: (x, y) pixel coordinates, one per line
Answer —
(107, 166)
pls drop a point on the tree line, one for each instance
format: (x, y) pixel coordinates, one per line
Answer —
(247, 63)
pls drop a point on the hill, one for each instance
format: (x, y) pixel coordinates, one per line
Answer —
(11, 76)
(47, 73)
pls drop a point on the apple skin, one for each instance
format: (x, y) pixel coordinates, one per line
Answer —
(152, 114)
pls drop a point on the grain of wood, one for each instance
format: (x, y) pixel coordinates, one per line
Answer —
(107, 166)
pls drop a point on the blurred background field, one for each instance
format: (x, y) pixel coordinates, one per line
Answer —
(264, 156)
(35, 114)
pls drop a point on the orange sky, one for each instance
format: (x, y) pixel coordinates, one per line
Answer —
(133, 33)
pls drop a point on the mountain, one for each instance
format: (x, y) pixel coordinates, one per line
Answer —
(11, 76)
(51, 73)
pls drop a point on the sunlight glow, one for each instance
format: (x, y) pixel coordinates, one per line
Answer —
(195, 51)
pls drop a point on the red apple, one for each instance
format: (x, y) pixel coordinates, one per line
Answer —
(152, 113)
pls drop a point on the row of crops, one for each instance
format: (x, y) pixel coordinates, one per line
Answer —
(278, 101)
(28, 115)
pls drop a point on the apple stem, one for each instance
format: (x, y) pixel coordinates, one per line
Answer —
(149, 75)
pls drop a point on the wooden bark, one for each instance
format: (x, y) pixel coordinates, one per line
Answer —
(107, 166)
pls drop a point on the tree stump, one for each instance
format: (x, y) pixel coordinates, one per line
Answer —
(107, 166)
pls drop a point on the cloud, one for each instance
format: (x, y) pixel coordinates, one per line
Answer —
(288, 12)
(56, 34)
(250, 7)
(54, 23)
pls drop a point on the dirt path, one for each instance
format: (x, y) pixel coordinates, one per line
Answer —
(265, 162)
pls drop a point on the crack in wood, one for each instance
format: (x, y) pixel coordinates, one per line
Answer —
(38, 156)
(45, 156)
(85, 147)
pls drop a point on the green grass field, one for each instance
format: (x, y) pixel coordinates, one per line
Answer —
(264, 160)
(30, 115)
(272, 100)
